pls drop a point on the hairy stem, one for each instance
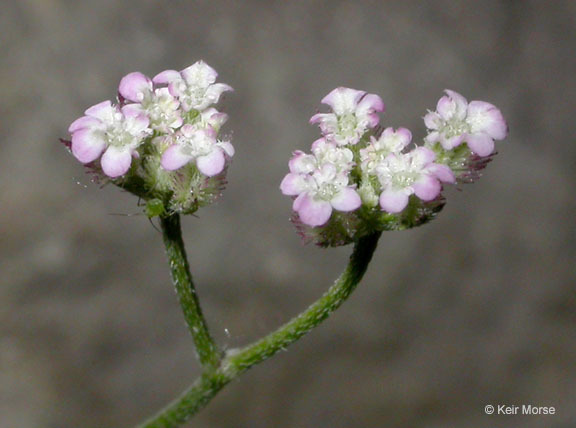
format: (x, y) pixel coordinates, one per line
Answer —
(238, 361)
(206, 348)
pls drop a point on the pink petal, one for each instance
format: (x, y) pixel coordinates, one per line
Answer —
(373, 119)
(403, 134)
(199, 73)
(481, 144)
(319, 143)
(445, 108)
(166, 77)
(138, 121)
(173, 158)
(214, 91)
(370, 102)
(227, 147)
(423, 155)
(134, 86)
(442, 172)
(427, 187)
(115, 162)
(319, 117)
(212, 163)
(450, 143)
(133, 110)
(103, 111)
(343, 100)
(432, 137)
(346, 200)
(85, 122)
(293, 184)
(313, 213)
(394, 201)
(301, 163)
(214, 118)
(485, 117)
(87, 145)
(460, 104)
(432, 120)
(298, 201)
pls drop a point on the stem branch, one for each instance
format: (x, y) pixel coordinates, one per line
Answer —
(239, 360)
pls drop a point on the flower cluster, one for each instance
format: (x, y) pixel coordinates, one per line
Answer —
(361, 178)
(160, 140)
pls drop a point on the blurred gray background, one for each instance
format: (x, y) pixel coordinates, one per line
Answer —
(476, 308)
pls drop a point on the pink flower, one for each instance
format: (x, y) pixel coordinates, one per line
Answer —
(354, 112)
(456, 121)
(378, 149)
(162, 109)
(200, 146)
(194, 86)
(317, 194)
(111, 132)
(404, 174)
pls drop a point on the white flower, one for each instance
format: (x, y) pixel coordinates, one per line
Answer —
(317, 194)
(111, 132)
(194, 86)
(378, 148)
(354, 112)
(456, 121)
(200, 146)
(404, 174)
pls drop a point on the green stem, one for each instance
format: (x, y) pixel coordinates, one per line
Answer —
(208, 352)
(238, 361)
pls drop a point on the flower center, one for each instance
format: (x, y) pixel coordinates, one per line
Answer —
(455, 127)
(403, 179)
(196, 145)
(347, 124)
(117, 135)
(326, 191)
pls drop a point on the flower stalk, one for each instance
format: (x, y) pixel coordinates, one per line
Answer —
(237, 361)
(206, 348)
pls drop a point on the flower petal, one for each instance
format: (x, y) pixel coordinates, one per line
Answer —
(293, 184)
(423, 155)
(394, 201)
(212, 163)
(134, 86)
(432, 120)
(485, 117)
(85, 122)
(214, 91)
(450, 143)
(227, 147)
(442, 172)
(166, 77)
(116, 161)
(346, 200)
(321, 117)
(370, 103)
(481, 144)
(104, 111)
(427, 187)
(459, 105)
(313, 213)
(343, 100)
(87, 144)
(199, 74)
(173, 158)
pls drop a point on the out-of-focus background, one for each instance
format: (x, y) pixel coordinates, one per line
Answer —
(476, 308)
